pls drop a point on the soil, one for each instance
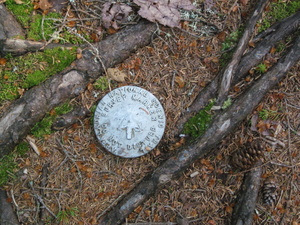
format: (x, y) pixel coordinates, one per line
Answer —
(85, 181)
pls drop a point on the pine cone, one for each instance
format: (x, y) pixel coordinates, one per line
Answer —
(248, 155)
(269, 192)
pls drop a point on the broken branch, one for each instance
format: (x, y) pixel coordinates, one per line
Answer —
(246, 200)
(230, 69)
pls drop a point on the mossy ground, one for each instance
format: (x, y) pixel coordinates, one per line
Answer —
(43, 127)
(21, 73)
(278, 10)
(40, 26)
(8, 164)
(197, 125)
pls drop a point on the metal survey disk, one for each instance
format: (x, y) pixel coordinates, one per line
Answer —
(129, 121)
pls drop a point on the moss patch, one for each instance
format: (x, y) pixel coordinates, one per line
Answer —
(21, 11)
(43, 127)
(21, 73)
(228, 45)
(101, 84)
(8, 164)
(198, 124)
(41, 27)
(278, 11)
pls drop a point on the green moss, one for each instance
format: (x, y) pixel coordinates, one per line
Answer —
(42, 29)
(65, 215)
(22, 148)
(101, 84)
(21, 11)
(261, 68)
(278, 11)
(43, 127)
(8, 164)
(228, 46)
(232, 39)
(198, 124)
(265, 114)
(52, 61)
(227, 103)
(63, 109)
(26, 71)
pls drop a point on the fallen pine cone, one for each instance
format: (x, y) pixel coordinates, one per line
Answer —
(248, 155)
(269, 192)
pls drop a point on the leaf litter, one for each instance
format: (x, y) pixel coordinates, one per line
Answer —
(175, 67)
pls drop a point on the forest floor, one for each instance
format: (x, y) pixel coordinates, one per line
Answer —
(175, 67)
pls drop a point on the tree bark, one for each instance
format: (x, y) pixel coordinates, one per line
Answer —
(246, 200)
(249, 60)
(9, 27)
(18, 119)
(7, 216)
(223, 124)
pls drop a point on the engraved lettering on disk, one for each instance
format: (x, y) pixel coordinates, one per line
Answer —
(129, 121)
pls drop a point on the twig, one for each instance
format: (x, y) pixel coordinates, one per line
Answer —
(13, 198)
(96, 51)
(43, 184)
(71, 159)
(55, 34)
(40, 199)
(110, 206)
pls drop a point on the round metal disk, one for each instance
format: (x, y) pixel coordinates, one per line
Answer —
(129, 121)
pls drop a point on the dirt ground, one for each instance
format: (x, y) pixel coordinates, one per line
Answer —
(84, 181)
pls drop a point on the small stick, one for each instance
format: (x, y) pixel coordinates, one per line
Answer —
(40, 199)
(71, 159)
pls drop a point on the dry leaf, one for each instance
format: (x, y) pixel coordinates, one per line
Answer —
(235, 8)
(251, 44)
(208, 48)
(44, 5)
(193, 43)
(228, 209)
(164, 12)
(21, 91)
(272, 50)
(2, 61)
(221, 36)
(114, 13)
(116, 74)
(180, 81)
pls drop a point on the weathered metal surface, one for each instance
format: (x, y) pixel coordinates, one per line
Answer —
(129, 121)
